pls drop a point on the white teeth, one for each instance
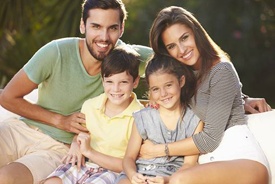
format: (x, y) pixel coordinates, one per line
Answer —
(166, 100)
(187, 55)
(102, 45)
(116, 96)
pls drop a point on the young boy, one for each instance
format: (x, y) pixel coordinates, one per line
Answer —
(109, 121)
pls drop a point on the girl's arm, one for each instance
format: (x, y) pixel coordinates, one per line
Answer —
(132, 152)
(105, 161)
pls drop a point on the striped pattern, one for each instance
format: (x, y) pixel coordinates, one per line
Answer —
(91, 173)
(218, 105)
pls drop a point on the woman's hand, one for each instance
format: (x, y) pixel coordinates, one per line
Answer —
(150, 150)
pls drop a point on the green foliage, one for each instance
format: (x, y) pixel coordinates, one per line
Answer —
(243, 28)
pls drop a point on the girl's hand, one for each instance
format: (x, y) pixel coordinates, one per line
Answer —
(138, 178)
(156, 180)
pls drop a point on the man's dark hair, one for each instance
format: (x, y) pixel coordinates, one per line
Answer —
(103, 4)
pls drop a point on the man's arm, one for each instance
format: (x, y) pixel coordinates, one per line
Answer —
(255, 105)
(11, 98)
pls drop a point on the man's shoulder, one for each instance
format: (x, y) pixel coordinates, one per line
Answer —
(65, 41)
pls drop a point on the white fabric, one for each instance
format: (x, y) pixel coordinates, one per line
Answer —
(262, 126)
(238, 143)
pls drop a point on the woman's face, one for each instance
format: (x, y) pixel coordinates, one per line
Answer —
(180, 43)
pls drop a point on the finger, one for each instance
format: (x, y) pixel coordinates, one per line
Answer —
(250, 110)
(73, 160)
(83, 161)
(64, 159)
(269, 108)
(81, 127)
(81, 115)
(68, 159)
(79, 163)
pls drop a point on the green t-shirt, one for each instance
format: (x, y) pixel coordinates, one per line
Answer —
(64, 84)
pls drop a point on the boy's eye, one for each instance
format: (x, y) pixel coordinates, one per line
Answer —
(154, 89)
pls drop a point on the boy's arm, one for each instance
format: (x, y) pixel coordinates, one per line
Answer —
(105, 161)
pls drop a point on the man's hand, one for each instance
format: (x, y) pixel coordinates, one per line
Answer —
(74, 123)
(256, 105)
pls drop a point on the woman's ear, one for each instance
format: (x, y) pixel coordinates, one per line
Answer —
(182, 81)
(82, 26)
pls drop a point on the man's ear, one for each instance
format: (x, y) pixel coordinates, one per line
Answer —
(82, 27)
(182, 81)
(122, 30)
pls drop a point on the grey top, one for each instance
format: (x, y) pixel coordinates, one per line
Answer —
(218, 104)
(151, 127)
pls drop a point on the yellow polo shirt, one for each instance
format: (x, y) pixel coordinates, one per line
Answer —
(109, 136)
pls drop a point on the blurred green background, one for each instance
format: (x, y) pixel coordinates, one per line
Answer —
(245, 29)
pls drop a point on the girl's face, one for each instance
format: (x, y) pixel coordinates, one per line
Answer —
(118, 88)
(180, 43)
(165, 89)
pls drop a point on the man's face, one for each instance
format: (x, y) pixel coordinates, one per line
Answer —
(103, 28)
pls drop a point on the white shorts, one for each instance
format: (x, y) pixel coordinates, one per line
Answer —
(238, 143)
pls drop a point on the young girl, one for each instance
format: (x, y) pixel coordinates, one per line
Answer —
(172, 121)
(230, 153)
(109, 121)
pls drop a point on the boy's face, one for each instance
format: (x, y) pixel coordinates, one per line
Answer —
(118, 88)
(103, 28)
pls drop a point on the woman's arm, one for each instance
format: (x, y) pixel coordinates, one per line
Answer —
(182, 147)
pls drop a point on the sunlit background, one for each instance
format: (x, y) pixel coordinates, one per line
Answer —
(245, 29)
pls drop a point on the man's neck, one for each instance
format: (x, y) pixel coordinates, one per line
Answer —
(92, 65)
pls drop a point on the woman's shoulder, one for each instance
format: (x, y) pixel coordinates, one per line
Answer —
(223, 65)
